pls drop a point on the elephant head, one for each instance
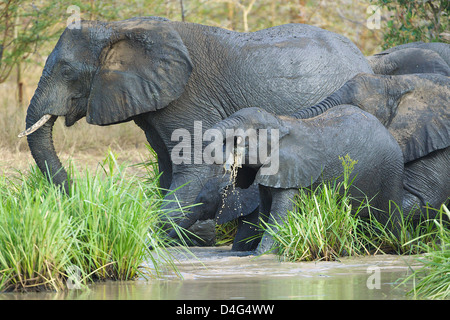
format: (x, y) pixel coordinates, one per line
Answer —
(108, 73)
(412, 107)
(270, 144)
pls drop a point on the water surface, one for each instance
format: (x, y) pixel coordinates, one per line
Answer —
(218, 273)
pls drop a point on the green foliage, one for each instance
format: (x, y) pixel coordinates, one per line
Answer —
(322, 225)
(225, 233)
(36, 237)
(28, 27)
(103, 230)
(416, 20)
(24, 28)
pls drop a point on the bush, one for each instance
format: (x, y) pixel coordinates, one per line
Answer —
(412, 21)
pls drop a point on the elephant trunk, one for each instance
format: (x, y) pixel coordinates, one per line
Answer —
(40, 142)
(185, 221)
(185, 187)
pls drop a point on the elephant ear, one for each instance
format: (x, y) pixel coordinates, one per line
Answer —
(297, 162)
(421, 124)
(144, 68)
(237, 203)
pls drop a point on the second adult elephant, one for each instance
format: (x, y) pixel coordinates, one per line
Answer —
(166, 75)
(416, 111)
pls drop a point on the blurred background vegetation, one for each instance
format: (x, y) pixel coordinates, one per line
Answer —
(29, 30)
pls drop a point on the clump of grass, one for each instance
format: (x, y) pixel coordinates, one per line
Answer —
(102, 230)
(226, 232)
(322, 225)
(325, 226)
(410, 239)
(36, 237)
(432, 281)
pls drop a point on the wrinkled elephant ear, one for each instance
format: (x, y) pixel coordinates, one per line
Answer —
(144, 68)
(422, 123)
(296, 164)
(237, 203)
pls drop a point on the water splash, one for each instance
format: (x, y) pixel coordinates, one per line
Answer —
(231, 166)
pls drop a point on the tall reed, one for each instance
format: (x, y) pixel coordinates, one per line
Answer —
(106, 228)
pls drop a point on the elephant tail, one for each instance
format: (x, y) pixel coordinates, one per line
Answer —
(317, 109)
(345, 95)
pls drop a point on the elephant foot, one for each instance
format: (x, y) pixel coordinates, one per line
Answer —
(201, 233)
(267, 245)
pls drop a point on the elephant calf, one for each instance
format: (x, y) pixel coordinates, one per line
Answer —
(307, 152)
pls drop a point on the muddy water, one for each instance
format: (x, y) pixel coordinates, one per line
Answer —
(218, 273)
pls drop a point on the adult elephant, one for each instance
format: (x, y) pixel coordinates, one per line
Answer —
(415, 110)
(164, 75)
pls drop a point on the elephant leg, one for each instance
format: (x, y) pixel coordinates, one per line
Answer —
(187, 182)
(164, 160)
(426, 184)
(248, 233)
(281, 202)
(386, 205)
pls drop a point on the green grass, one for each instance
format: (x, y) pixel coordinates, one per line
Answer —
(103, 230)
(325, 226)
(432, 281)
(226, 232)
(321, 227)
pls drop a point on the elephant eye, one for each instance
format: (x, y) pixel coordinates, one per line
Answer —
(68, 73)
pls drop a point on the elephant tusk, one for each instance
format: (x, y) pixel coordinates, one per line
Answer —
(35, 126)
